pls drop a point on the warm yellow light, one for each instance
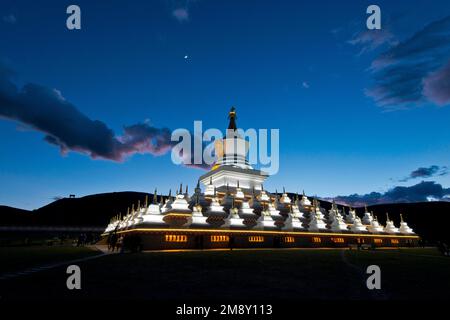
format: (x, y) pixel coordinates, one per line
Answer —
(293, 233)
(255, 239)
(289, 239)
(337, 240)
(221, 238)
(176, 238)
(178, 215)
(316, 239)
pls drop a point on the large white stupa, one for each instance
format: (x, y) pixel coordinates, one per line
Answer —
(234, 200)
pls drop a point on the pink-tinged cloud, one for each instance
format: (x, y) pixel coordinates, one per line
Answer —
(436, 87)
(416, 71)
(45, 110)
(181, 14)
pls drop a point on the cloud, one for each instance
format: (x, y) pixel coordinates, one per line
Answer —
(46, 110)
(370, 40)
(10, 18)
(415, 71)
(181, 14)
(421, 192)
(436, 87)
(428, 172)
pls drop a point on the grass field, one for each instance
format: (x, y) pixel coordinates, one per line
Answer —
(270, 275)
(21, 258)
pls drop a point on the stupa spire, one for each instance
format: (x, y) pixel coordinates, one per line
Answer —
(232, 117)
(155, 197)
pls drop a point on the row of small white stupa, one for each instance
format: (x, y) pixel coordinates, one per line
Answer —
(298, 215)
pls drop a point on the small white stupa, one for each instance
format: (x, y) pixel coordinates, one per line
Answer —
(338, 225)
(317, 209)
(316, 222)
(390, 227)
(168, 203)
(233, 221)
(368, 217)
(305, 202)
(215, 208)
(210, 190)
(292, 221)
(245, 209)
(179, 205)
(333, 211)
(198, 220)
(153, 213)
(404, 228)
(265, 221)
(358, 226)
(239, 195)
(351, 216)
(179, 213)
(375, 226)
(274, 213)
(263, 197)
(296, 213)
(284, 201)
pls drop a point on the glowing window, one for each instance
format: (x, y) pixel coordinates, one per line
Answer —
(255, 239)
(316, 239)
(394, 241)
(337, 240)
(289, 239)
(220, 238)
(176, 238)
(378, 240)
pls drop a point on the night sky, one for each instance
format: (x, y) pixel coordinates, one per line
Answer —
(359, 111)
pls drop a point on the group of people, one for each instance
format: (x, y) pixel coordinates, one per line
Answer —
(118, 243)
(114, 242)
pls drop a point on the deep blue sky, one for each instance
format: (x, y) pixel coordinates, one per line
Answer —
(300, 66)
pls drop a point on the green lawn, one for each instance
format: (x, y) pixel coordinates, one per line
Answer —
(246, 274)
(21, 258)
